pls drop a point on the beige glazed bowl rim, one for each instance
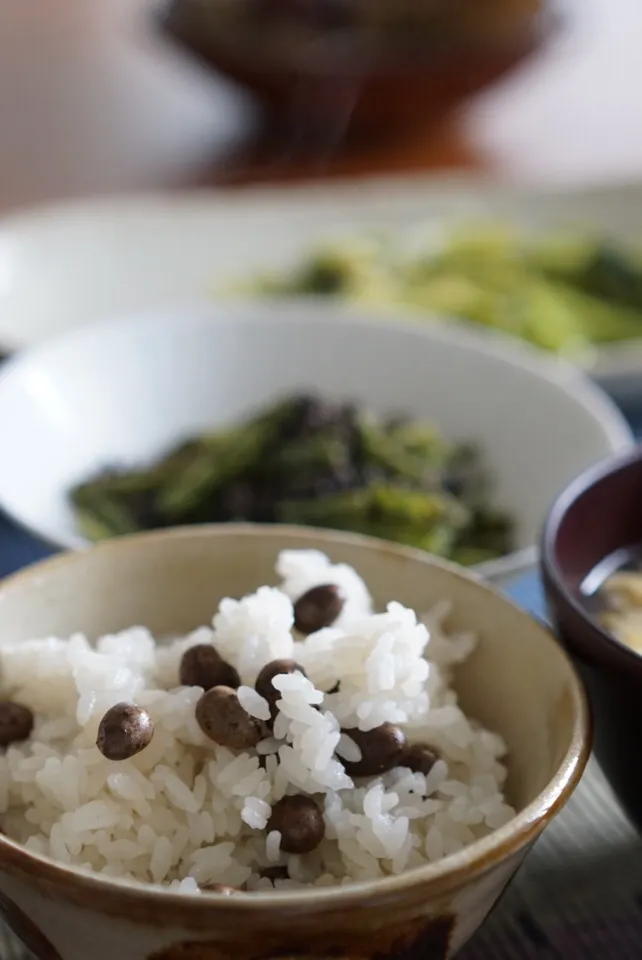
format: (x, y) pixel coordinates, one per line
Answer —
(167, 907)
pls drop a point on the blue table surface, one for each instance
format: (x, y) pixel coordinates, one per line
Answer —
(18, 548)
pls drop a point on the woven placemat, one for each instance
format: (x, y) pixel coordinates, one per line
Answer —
(578, 896)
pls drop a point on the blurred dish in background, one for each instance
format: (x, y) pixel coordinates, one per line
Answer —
(369, 66)
(71, 264)
(563, 294)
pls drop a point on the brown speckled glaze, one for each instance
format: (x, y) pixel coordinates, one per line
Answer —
(426, 941)
(598, 514)
(517, 682)
(26, 930)
(430, 942)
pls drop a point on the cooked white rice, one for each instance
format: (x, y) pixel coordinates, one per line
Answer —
(186, 811)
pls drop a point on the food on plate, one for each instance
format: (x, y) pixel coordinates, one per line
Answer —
(561, 294)
(621, 613)
(307, 461)
(337, 756)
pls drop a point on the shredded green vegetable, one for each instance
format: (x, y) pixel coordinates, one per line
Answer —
(561, 294)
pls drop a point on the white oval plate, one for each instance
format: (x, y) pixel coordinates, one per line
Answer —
(67, 265)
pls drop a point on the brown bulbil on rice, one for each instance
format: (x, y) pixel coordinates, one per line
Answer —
(264, 686)
(420, 758)
(124, 731)
(382, 749)
(202, 666)
(223, 720)
(221, 888)
(299, 820)
(16, 722)
(318, 608)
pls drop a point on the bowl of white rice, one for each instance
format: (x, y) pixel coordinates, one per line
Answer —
(240, 741)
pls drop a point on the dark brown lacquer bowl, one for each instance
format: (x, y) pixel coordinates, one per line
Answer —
(338, 79)
(597, 515)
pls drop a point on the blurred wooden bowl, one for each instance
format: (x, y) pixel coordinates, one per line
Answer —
(378, 96)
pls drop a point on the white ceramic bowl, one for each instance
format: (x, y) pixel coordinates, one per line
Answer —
(123, 391)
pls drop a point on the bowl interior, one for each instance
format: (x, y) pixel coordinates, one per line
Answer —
(121, 393)
(518, 682)
(595, 518)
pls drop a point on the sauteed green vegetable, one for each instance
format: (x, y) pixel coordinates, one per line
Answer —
(306, 461)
